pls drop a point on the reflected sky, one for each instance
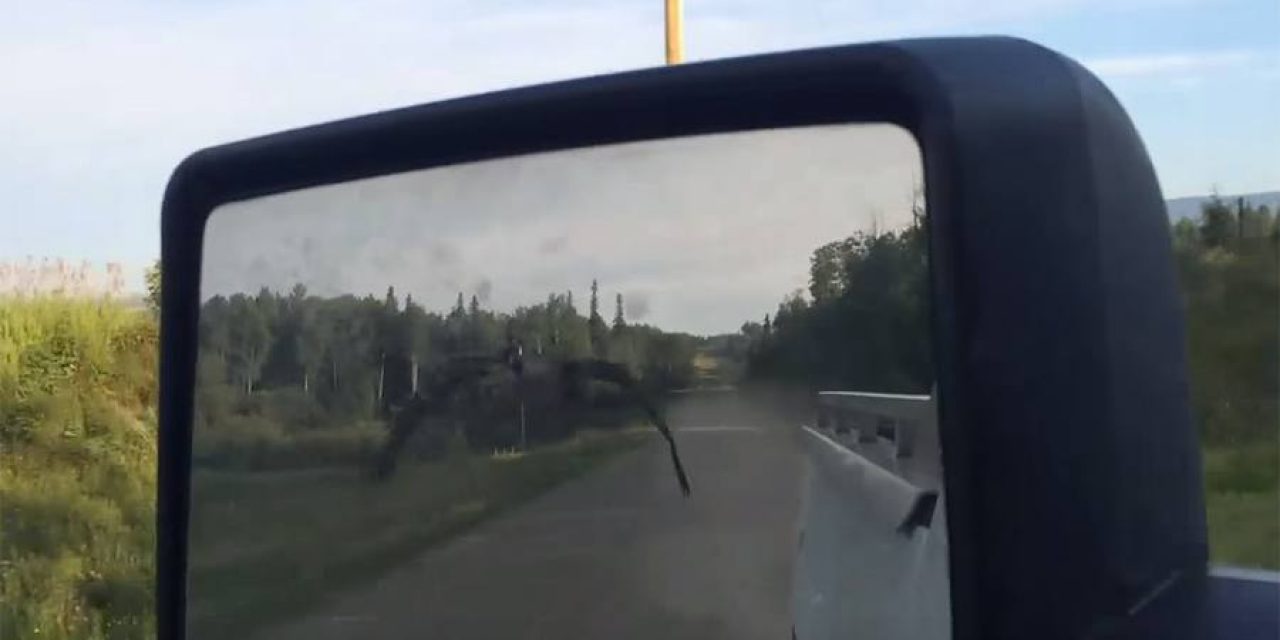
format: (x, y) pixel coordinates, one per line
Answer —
(698, 233)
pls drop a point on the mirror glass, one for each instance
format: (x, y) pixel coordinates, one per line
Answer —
(668, 389)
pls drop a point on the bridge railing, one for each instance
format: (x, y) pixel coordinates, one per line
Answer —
(874, 549)
(900, 419)
(883, 450)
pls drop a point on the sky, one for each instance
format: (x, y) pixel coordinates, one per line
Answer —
(101, 98)
(698, 234)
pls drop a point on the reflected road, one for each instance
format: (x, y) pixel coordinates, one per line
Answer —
(618, 553)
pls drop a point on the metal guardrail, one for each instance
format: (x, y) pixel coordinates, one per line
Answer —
(905, 474)
(897, 418)
(873, 551)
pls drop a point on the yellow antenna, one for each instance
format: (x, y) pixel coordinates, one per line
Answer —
(675, 32)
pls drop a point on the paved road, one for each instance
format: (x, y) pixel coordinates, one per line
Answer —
(618, 554)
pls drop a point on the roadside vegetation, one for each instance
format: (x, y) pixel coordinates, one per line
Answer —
(77, 469)
(1229, 262)
(294, 398)
(291, 380)
(859, 324)
(295, 391)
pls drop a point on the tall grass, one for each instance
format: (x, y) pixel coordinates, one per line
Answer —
(77, 483)
(77, 468)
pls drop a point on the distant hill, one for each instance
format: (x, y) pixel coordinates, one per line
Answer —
(1189, 207)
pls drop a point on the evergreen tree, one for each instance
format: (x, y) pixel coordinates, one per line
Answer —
(619, 321)
(597, 332)
(458, 308)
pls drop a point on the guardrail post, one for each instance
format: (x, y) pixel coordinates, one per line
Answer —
(842, 423)
(904, 438)
(867, 427)
(897, 418)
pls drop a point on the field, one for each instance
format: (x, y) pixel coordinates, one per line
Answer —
(265, 545)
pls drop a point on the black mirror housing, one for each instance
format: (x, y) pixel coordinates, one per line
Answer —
(1075, 503)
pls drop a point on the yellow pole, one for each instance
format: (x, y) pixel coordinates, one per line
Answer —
(675, 32)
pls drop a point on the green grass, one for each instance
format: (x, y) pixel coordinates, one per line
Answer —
(266, 546)
(77, 469)
(1244, 529)
(1242, 501)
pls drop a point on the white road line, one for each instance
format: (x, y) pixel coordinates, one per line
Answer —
(615, 512)
(349, 619)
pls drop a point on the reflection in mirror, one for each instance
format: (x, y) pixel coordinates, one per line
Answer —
(669, 389)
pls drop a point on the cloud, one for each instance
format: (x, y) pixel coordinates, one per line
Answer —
(103, 98)
(698, 232)
(1188, 83)
(1170, 64)
(553, 245)
(444, 254)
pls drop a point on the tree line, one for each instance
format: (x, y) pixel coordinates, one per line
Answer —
(1229, 267)
(348, 358)
(863, 321)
